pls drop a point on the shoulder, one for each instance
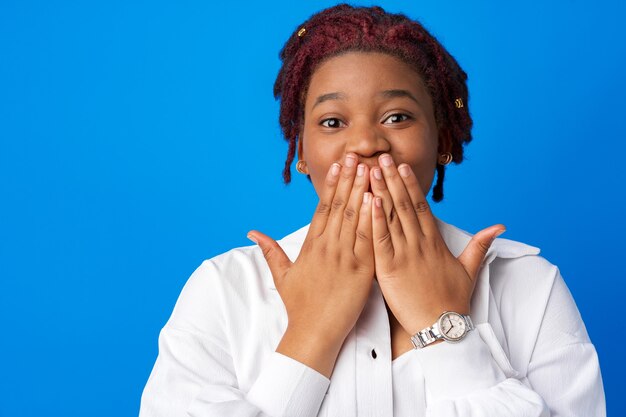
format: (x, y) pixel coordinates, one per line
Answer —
(246, 265)
(517, 277)
(513, 265)
(519, 284)
(236, 280)
(231, 299)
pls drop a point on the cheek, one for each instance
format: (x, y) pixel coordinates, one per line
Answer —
(318, 159)
(423, 161)
(320, 153)
(420, 152)
(426, 179)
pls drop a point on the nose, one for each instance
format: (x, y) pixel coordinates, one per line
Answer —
(367, 141)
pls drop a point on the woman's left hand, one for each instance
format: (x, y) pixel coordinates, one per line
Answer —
(418, 275)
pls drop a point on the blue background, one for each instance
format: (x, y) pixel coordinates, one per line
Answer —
(139, 138)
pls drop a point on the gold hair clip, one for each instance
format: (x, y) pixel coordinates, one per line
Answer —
(458, 103)
(301, 32)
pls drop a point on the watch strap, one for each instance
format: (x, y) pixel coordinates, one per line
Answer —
(433, 333)
(426, 336)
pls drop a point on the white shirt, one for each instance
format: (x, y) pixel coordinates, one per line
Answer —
(530, 354)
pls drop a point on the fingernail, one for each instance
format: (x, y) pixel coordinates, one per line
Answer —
(366, 198)
(404, 170)
(334, 169)
(360, 170)
(350, 161)
(378, 174)
(378, 201)
(499, 233)
(386, 160)
(252, 238)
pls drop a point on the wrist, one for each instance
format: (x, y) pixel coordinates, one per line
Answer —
(423, 319)
(315, 350)
(450, 326)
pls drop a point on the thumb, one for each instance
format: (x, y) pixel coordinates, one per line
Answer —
(475, 251)
(274, 255)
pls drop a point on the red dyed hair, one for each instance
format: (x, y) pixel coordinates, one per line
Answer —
(344, 28)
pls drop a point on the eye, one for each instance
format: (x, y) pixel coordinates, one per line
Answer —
(332, 122)
(397, 118)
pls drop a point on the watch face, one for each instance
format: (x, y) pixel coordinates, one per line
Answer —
(452, 326)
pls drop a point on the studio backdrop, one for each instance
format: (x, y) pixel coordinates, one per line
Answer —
(139, 138)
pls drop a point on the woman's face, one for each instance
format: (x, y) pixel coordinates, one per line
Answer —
(368, 104)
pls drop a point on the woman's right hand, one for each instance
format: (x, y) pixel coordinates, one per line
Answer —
(326, 288)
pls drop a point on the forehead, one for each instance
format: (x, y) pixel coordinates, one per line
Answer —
(359, 74)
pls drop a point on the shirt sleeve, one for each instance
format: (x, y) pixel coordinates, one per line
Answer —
(195, 376)
(464, 380)
(474, 378)
(564, 366)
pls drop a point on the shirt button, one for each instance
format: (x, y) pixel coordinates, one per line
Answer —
(374, 355)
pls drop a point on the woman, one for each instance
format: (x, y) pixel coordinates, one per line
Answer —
(377, 307)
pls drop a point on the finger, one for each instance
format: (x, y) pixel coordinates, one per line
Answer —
(474, 253)
(363, 246)
(274, 255)
(341, 197)
(425, 217)
(381, 237)
(351, 216)
(400, 197)
(320, 218)
(379, 189)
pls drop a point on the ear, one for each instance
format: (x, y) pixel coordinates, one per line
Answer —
(299, 139)
(445, 141)
(301, 156)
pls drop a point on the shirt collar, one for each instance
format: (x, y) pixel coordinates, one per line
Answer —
(455, 238)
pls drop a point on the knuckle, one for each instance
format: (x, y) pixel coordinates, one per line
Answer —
(323, 208)
(434, 247)
(268, 252)
(421, 207)
(404, 205)
(385, 239)
(482, 246)
(435, 244)
(349, 214)
(362, 236)
(337, 204)
(316, 247)
(357, 267)
(350, 263)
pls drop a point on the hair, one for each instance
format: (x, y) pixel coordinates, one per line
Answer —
(344, 28)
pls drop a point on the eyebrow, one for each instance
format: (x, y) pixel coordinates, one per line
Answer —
(383, 94)
(329, 96)
(398, 93)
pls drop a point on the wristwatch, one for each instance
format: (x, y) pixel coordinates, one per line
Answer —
(450, 326)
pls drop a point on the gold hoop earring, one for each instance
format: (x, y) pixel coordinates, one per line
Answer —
(445, 158)
(300, 167)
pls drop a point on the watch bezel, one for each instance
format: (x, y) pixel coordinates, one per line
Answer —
(440, 325)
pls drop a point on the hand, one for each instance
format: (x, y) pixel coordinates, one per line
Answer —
(326, 288)
(418, 275)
